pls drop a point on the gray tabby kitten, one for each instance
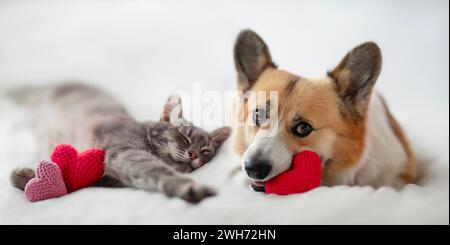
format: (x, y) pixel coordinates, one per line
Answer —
(147, 156)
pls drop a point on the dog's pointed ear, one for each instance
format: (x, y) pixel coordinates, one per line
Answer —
(251, 58)
(356, 75)
(172, 112)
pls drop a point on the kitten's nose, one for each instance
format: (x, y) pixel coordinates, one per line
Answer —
(192, 154)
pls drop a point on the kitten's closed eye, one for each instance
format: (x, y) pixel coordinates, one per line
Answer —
(185, 146)
(206, 152)
(203, 145)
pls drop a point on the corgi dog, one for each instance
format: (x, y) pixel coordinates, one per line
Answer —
(339, 116)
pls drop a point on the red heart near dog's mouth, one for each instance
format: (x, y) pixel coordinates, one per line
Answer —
(304, 175)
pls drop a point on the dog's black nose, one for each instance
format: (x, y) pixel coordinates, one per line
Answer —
(258, 170)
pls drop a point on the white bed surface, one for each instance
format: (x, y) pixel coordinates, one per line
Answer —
(143, 51)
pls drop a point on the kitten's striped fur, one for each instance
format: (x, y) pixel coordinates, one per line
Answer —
(147, 156)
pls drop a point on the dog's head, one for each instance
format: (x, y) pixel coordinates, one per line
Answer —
(323, 115)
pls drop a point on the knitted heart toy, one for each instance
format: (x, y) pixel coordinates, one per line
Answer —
(47, 184)
(79, 170)
(305, 175)
(68, 172)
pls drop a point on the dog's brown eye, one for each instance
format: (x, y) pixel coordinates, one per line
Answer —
(259, 116)
(302, 129)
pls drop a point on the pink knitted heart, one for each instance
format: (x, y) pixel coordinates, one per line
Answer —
(47, 184)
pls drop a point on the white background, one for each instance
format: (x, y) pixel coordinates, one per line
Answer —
(142, 51)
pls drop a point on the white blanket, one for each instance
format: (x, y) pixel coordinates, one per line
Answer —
(143, 51)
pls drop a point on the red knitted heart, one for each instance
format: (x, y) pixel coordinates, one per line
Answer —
(305, 175)
(79, 170)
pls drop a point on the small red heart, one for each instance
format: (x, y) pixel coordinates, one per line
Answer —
(79, 170)
(305, 175)
(47, 184)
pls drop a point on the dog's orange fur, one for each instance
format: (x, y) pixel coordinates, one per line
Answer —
(409, 174)
(317, 102)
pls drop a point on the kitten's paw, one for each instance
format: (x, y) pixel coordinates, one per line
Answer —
(20, 176)
(194, 193)
(187, 189)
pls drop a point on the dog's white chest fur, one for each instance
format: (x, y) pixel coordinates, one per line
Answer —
(384, 157)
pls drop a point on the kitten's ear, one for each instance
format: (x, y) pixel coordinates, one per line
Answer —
(219, 136)
(173, 112)
(356, 75)
(251, 58)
